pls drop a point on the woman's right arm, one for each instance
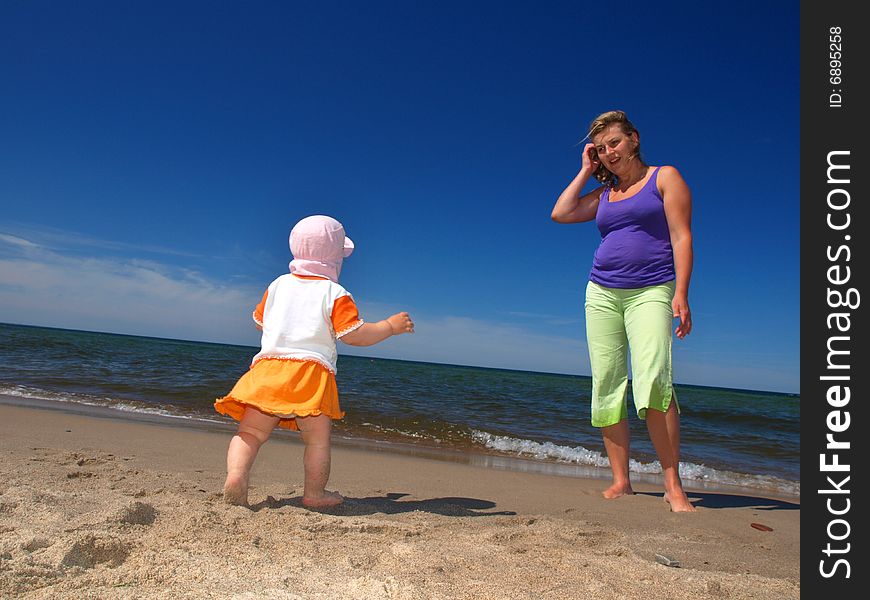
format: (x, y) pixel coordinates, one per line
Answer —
(571, 207)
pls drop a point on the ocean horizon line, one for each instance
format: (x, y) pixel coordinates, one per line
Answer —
(400, 360)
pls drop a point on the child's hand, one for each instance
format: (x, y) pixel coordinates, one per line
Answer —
(373, 333)
(401, 323)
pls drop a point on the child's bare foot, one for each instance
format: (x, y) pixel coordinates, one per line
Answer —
(236, 491)
(325, 500)
(618, 490)
(679, 502)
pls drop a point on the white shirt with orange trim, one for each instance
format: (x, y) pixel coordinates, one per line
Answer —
(302, 317)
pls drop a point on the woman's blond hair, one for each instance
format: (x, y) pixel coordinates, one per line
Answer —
(602, 122)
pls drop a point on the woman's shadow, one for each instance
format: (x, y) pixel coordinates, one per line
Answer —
(391, 504)
(708, 500)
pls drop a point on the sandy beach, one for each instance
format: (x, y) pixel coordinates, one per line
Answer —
(98, 507)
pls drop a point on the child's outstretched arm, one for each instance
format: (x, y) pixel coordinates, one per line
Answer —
(372, 333)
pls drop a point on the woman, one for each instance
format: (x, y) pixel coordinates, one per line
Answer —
(639, 282)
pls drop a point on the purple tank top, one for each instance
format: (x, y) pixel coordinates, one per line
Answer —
(635, 249)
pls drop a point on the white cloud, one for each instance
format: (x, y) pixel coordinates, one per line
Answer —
(43, 287)
(14, 240)
(714, 374)
(467, 341)
(39, 286)
(57, 239)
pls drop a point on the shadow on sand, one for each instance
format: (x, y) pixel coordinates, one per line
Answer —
(706, 500)
(390, 504)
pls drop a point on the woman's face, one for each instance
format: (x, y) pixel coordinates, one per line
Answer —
(615, 148)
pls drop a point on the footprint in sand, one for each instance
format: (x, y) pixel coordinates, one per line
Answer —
(91, 550)
(83, 459)
(36, 543)
(507, 537)
(271, 594)
(137, 513)
(362, 561)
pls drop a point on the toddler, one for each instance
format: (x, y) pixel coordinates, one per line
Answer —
(291, 382)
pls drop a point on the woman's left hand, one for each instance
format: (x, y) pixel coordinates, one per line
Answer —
(680, 305)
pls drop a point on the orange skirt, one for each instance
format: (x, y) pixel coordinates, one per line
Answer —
(285, 389)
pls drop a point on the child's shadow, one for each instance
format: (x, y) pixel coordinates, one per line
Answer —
(390, 504)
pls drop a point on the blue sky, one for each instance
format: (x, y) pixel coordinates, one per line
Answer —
(155, 155)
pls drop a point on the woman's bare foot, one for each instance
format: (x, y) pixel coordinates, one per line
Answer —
(325, 500)
(236, 491)
(679, 502)
(618, 490)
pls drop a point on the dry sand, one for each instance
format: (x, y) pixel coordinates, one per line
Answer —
(95, 507)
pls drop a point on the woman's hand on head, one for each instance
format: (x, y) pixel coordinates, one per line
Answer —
(401, 323)
(680, 305)
(590, 158)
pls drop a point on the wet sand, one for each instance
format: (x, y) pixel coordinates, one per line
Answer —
(114, 508)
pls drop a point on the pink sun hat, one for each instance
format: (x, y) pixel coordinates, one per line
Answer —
(319, 245)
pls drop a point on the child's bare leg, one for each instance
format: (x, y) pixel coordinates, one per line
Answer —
(316, 432)
(254, 430)
(616, 443)
(664, 431)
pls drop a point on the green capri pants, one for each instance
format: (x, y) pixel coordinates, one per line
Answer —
(639, 320)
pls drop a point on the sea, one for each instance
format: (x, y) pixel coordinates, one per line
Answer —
(731, 439)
